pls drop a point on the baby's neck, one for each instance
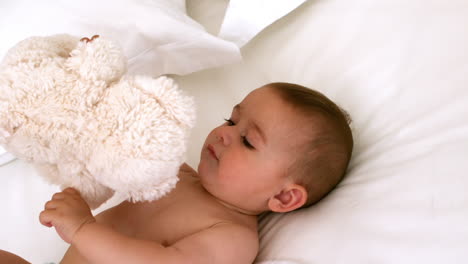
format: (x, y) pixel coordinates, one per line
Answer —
(189, 174)
(237, 209)
(226, 205)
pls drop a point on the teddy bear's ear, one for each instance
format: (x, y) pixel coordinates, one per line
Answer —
(97, 59)
(35, 50)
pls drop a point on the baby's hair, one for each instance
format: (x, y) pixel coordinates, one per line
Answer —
(324, 159)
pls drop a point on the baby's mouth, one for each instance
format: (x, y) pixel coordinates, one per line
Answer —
(212, 151)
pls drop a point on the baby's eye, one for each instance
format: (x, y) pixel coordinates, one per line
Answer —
(247, 143)
(229, 122)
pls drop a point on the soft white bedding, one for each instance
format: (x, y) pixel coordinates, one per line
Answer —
(400, 68)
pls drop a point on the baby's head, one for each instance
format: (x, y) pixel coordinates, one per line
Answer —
(284, 147)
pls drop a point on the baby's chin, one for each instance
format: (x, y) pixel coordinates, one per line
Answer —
(202, 178)
(198, 171)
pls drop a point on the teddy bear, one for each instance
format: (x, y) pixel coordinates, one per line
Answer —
(68, 107)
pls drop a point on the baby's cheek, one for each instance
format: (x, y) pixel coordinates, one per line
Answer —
(227, 172)
(233, 168)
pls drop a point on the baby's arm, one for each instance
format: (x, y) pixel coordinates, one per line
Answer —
(69, 214)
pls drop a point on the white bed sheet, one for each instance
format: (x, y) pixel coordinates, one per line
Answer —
(400, 68)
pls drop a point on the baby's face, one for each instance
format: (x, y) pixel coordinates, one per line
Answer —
(244, 161)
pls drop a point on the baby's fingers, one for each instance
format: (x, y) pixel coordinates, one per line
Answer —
(52, 204)
(58, 196)
(70, 190)
(46, 217)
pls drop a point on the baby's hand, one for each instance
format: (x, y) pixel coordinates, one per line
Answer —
(67, 212)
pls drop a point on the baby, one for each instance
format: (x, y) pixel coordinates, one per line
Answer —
(283, 148)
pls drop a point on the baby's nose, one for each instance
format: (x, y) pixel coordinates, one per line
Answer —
(224, 135)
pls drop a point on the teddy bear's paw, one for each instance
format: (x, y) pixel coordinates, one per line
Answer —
(97, 197)
(10, 123)
(151, 192)
(133, 179)
(94, 194)
(97, 59)
(175, 102)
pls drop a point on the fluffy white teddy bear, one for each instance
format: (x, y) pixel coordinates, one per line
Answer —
(67, 107)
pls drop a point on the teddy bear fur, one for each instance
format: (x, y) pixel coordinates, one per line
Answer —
(67, 107)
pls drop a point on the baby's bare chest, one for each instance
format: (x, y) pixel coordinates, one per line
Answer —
(165, 221)
(166, 224)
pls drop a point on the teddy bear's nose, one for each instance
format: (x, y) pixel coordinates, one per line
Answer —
(86, 40)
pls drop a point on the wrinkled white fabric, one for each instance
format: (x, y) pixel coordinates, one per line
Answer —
(245, 19)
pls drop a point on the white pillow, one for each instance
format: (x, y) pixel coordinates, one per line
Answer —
(400, 69)
(239, 21)
(157, 36)
(245, 19)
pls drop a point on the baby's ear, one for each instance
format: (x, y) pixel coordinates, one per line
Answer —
(291, 197)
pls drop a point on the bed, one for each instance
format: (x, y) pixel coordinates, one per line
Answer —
(399, 67)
